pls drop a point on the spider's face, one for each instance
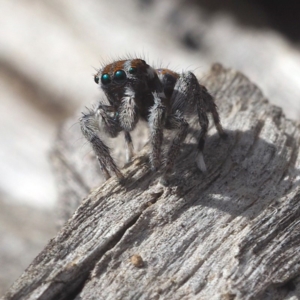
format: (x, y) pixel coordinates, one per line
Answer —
(117, 78)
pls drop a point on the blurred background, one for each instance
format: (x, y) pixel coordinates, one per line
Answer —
(48, 52)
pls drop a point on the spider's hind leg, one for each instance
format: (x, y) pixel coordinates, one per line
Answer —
(203, 120)
(205, 104)
(212, 108)
(190, 97)
(175, 122)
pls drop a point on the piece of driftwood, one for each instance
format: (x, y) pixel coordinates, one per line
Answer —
(232, 234)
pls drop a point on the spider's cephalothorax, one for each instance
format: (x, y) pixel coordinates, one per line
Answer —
(161, 97)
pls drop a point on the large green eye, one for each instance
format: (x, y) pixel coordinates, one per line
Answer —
(96, 78)
(105, 79)
(132, 70)
(120, 75)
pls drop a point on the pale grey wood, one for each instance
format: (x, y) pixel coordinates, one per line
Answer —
(232, 234)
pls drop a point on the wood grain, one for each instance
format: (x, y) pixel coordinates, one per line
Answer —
(232, 234)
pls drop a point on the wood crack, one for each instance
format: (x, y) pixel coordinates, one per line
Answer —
(231, 233)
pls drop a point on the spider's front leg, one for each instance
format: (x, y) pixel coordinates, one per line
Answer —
(91, 125)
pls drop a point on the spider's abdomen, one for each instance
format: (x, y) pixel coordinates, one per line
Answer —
(168, 79)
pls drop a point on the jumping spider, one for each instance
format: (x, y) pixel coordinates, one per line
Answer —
(161, 97)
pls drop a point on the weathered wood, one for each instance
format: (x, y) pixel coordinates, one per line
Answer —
(232, 234)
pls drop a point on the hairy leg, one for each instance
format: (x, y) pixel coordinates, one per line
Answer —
(108, 121)
(128, 112)
(212, 107)
(90, 128)
(189, 95)
(203, 120)
(129, 146)
(156, 123)
(178, 123)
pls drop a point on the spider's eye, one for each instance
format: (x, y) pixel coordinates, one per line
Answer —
(96, 78)
(120, 75)
(105, 79)
(132, 70)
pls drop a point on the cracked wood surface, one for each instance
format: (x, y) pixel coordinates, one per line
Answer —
(232, 234)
